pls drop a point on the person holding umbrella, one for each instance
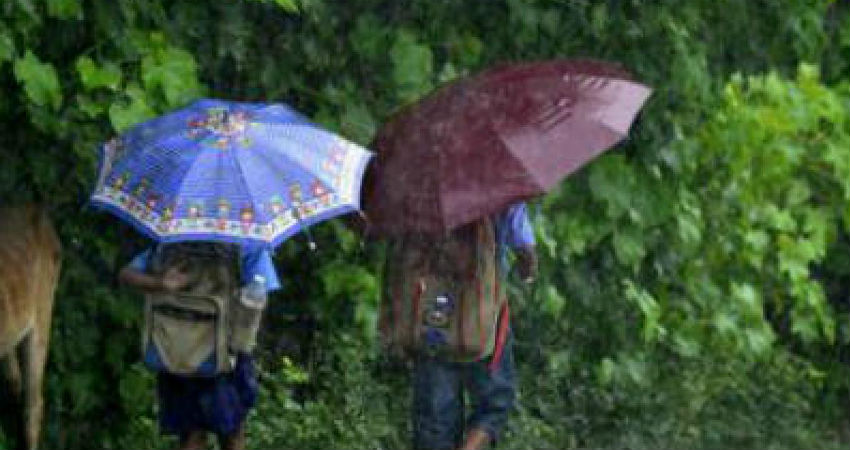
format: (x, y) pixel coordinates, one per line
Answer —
(447, 191)
(483, 364)
(190, 405)
(217, 185)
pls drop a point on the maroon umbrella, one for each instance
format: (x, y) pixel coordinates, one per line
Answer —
(481, 143)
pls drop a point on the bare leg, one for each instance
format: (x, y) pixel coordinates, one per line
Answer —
(194, 440)
(233, 441)
(475, 439)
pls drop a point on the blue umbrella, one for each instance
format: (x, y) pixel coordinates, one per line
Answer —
(246, 173)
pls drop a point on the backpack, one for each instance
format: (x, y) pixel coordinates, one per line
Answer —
(442, 294)
(186, 333)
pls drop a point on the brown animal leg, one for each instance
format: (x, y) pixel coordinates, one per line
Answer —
(35, 351)
(12, 370)
(34, 355)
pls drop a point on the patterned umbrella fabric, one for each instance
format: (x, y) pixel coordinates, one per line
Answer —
(246, 173)
(483, 142)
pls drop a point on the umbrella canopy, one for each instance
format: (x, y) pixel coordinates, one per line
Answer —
(246, 173)
(509, 133)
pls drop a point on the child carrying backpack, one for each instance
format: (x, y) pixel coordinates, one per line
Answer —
(200, 328)
(444, 306)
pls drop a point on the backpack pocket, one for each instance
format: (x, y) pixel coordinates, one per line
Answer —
(442, 295)
(185, 335)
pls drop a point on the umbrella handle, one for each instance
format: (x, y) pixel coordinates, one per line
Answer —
(310, 242)
(306, 230)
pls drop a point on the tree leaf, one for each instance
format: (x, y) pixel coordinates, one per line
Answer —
(629, 245)
(611, 181)
(413, 66)
(7, 46)
(172, 71)
(93, 77)
(369, 37)
(40, 81)
(125, 113)
(89, 106)
(649, 308)
(288, 5)
(553, 301)
(64, 9)
(357, 123)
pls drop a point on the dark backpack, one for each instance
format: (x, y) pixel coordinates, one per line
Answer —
(187, 333)
(442, 294)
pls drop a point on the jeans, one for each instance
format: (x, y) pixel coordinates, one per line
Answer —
(439, 413)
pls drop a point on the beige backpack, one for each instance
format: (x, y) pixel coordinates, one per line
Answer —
(187, 333)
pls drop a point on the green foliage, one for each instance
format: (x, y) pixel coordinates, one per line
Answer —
(64, 9)
(693, 281)
(345, 412)
(40, 81)
(133, 110)
(290, 6)
(412, 66)
(94, 77)
(170, 71)
(7, 46)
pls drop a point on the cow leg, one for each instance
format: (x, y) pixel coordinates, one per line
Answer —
(11, 415)
(12, 370)
(36, 351)
(34, 356)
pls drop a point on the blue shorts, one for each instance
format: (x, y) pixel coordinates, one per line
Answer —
(218, 404)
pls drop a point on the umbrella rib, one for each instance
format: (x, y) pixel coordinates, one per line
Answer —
(267, 159)
(242, 178)
(162, 144)
(540, 183)
(440, 204)
(513, 156)
(293, 126)
(185, 177)
(180, 186)
(188, 170)
(295, 162)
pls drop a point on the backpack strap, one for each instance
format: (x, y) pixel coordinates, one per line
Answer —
(233, 255)
(482, 336)
(153, 254)
(483, 230)
(416, 319)
(396, 307)
(501, 337)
